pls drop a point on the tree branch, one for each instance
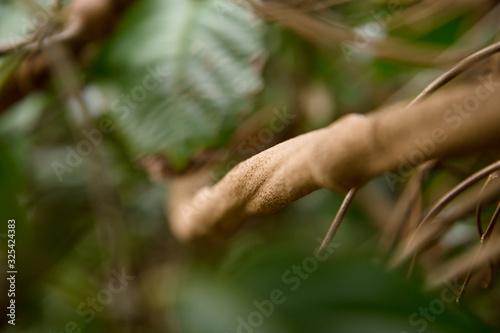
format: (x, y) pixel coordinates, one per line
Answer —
(346, 154)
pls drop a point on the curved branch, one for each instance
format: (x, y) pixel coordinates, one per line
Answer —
(461, 67)
(458, 69)
(431, 233)
(344, 155)
(441, 204)
(448, 197)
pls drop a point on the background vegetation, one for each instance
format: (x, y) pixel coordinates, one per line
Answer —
(183, 78)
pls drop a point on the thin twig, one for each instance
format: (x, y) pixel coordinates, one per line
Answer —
(337, 221)
(461, 67)
(492, 223)
(484, 239)
(432, 232)
(94, 21)
(439, 82)
(468, 277)
(409, 197)
(31, 45)
(33, 42)
(479, 208)
(438, 207)
(454, 72)
(6, 49)
(458, 69)
(453, 193)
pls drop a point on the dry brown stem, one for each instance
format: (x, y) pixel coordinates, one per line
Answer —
(344, 155)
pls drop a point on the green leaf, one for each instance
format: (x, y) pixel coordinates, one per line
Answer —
(203, 54)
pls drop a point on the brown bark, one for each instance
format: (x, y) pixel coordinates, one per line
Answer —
(346, 154)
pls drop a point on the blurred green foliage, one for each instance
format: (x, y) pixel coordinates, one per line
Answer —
(198, 63)
(212, 53)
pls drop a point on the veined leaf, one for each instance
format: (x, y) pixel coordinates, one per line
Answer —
(187, 74)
